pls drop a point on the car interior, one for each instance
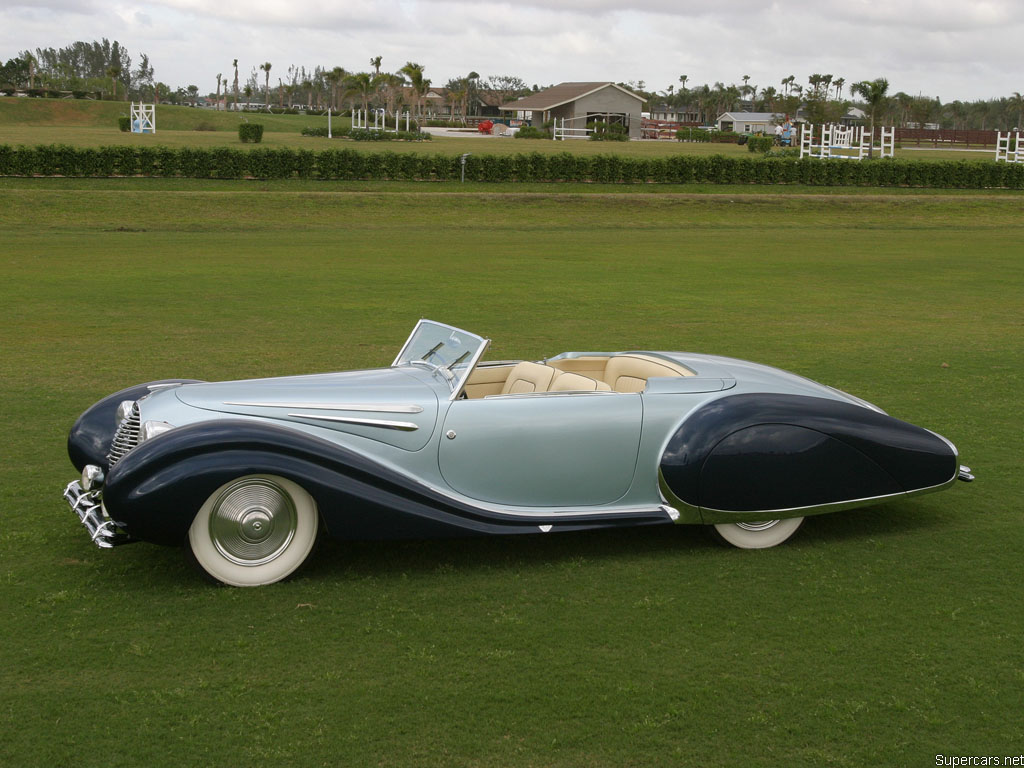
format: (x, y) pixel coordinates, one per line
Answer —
(614, 373)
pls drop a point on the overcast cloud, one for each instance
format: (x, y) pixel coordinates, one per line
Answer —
(952, 50)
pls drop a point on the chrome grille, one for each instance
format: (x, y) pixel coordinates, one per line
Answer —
(126, 437)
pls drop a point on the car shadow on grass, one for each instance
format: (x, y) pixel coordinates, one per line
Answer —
(153, 567)
(513, 552)
(885, 520)
(683, 543)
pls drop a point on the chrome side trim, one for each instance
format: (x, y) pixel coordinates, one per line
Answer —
(965, 474)
(406, 426)
(672, 512)
(334, 406)
(684, 513)
(712, 515)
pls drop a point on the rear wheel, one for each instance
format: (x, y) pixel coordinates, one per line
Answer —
(255, 530)
(760, 535)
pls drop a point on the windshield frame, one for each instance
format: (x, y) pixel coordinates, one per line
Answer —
(453, 379)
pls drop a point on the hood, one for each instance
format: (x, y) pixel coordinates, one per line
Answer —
(390, 405)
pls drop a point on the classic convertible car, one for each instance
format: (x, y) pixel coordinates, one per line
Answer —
(246, 474)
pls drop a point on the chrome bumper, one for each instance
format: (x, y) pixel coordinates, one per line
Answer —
(104, 532)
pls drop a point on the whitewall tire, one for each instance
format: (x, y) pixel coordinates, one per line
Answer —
(759, 535)
(255, 530)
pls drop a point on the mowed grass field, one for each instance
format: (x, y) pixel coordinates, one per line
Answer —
(883, 636)
(84, 123)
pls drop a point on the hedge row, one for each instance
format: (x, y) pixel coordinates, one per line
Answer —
(263, 163)
(250, 132)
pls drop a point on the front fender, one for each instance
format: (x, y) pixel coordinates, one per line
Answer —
(90, 437)
(157, 488)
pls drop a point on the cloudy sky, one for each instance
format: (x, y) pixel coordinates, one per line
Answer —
(968, 49)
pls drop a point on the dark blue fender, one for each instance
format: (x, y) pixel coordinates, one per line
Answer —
(90, 437)
(763, 452)
(157, 488)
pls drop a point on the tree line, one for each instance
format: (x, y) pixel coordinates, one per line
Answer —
(822, 100)
(104, 69)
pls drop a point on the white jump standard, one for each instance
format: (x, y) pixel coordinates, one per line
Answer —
(843, 142)
(1003, 151)
(143, 118)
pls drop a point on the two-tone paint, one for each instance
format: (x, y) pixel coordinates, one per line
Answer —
(394, 452)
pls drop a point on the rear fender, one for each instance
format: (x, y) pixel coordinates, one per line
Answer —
(746, 456)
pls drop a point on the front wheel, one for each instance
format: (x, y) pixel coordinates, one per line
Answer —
(255, 530)
(759, 535)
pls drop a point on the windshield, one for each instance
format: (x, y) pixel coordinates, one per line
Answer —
(445, 350)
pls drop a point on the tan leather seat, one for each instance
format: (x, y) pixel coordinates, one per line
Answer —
(629, 373)
(574, 382)
(528, 377)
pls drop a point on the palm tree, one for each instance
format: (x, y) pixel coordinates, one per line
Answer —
(874, 94)
(334, 77)
(218, 91)
(1017, 102)
(235, 65)
(265, 66)
(113, 72)
(375, 63)
(420, 85)
(703, 95)
(839, 82)
(472, 93)
(361, 83)
(391, 84)
(903, 102)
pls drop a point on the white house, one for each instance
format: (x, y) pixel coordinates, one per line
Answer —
(749, 122)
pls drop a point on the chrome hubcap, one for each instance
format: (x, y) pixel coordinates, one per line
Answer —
(762, 525)
(252, 522)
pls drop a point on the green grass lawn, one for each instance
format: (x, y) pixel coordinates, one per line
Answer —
(876, 637)
(83, 123)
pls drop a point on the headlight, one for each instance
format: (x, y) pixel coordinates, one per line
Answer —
(151, 429)
(92, 477)
(123, 410)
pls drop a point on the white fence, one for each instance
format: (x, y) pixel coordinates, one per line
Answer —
(563, 128)
(361, 120)
(843, 142)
